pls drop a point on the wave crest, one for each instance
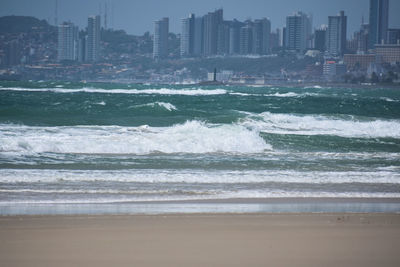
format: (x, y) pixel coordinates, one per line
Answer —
(189, 137)
(160, 91)
(322, 125)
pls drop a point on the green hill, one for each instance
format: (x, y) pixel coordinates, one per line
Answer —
(21, 24)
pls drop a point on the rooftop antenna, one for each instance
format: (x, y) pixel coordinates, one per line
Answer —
(112, 14)
(56, 13)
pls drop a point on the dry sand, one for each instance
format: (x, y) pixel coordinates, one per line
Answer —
(201, 240)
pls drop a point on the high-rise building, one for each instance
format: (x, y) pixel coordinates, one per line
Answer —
(187, 36)
(234, 37)
(284, 36)
(275, 39)
(67, 46)
(93, 39)
(198, 36)
(160, 44)
(298, 31)
(336, 34)
(246, 39)
(223, 38)
(12, 53)
(261, 36)
(82, 40)
(211, 22)
(362, 38)
(378, 22)
(320, 39)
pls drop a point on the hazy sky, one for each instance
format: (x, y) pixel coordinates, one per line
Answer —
(137, 16)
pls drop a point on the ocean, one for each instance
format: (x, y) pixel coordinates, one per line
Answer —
(120, 148)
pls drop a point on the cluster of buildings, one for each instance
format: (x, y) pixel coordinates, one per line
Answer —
(48, 53)
(79, 46)
(368, 49)
(211, 35)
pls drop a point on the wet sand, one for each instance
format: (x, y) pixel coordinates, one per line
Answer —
(201, 240)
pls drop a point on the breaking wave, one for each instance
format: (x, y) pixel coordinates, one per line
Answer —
(348, 126)
(161, 91)
(167, 106)
(189, 137)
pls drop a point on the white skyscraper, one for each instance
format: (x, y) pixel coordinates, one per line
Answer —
(298, 31)
(67, 47)
(336, 34)
(93, 39)
(187, 36)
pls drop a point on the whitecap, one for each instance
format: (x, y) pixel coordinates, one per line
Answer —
(322, 125)
(161, 91)
(189, 137)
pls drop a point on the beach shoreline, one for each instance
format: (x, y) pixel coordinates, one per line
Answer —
(211, 206)
(260, 239)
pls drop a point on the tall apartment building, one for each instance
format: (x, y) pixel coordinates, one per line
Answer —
(336, 34)
(261, 36)
(187, 36)
(223, 38)
(378, 22)
(320, 39)
(198, 36)
(298, 31)
(246, 39)
(211, 22)
(67, 45)
(234, 37)
(12, 52)
(92, 51)
(211, 35)
(160, 44)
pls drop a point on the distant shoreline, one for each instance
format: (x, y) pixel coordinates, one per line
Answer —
(206, 83)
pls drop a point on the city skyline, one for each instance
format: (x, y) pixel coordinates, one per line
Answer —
(129, 14)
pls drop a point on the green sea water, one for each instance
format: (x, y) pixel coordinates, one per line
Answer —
(124, 143)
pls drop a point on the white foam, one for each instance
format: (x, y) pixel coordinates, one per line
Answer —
(167, 106)
(316, 87)
(322, 125)
(161, 91)
(157, 176)
(190, 137)
(248, 194)
(243, 94)
(289, 94)
(161, 185)
(292, 94)
(389, 99)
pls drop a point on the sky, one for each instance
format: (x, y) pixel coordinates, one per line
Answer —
(138, 16)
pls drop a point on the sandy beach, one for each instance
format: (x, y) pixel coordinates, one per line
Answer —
(201, 240)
